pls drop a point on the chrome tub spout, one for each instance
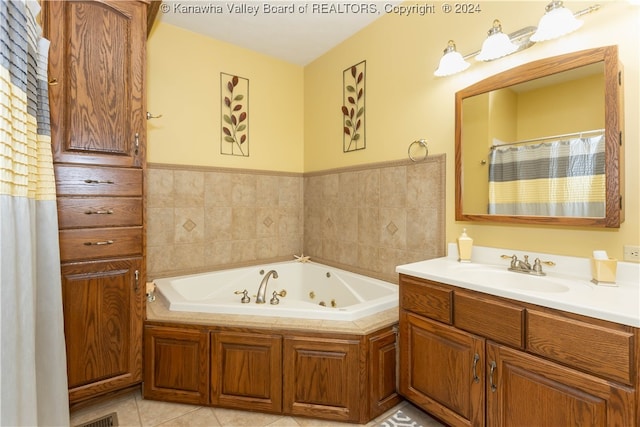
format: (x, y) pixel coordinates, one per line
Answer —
(262, 290)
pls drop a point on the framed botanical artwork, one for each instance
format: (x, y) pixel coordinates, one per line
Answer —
(353, 107)
(234, 111)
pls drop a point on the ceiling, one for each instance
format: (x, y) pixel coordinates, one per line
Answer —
(294, 31)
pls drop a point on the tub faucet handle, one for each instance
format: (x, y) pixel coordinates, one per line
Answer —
(245, 296)
(274, 300)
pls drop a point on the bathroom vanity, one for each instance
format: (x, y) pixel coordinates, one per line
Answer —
(480, 345)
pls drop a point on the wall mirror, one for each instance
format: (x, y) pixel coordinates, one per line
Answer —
(542, 143)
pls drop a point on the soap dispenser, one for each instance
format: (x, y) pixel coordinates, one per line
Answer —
(465, 245)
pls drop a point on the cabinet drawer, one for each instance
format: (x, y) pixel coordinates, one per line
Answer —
(426, 298)
(493, 319)
(97, 181)
(99, 212)
(599, 350)
(95, 243)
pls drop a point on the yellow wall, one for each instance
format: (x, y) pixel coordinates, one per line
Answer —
(183, 75)
(406, 102)
(579, 106)
(476, 136)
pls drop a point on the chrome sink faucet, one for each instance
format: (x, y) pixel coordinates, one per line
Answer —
(262, 290)
(523, 266)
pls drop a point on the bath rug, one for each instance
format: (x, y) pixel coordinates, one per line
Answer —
(399, 419)
(110, 420)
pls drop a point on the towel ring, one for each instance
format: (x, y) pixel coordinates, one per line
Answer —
(422, 142)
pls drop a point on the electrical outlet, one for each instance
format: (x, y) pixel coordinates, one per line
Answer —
(631, 253)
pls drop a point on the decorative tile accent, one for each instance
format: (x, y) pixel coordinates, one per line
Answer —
(189, 225)
(228, 217)
(392, 228)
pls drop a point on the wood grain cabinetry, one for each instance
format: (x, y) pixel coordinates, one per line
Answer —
(529, 390)
(96, 72)
(180, 364)
(97, 101)
(383, 371)
(350, 378)
(104, 346)
(247, 371)
(501, 362)
(440, 369)
(322, 378)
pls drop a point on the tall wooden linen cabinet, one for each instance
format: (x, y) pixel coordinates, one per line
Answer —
(98, 128)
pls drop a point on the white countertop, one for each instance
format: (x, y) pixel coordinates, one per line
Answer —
(567, 285)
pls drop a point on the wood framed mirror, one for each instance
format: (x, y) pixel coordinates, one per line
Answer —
(541, 143)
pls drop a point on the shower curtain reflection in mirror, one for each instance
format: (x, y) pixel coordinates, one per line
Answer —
(557, 178)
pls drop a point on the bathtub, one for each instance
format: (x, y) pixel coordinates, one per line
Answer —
(313, 291)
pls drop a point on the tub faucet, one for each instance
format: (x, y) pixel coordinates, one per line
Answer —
(262, 290)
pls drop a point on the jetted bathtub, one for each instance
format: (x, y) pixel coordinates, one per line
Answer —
(313, 291)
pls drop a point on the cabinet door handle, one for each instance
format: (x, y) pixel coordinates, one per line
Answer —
(137, 141)
(493, 368)
(476, 359)
(98, 181)
(99, 212)
(104, 242)
(136, 274)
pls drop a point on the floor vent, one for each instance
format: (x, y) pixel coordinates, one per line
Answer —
(110, 420)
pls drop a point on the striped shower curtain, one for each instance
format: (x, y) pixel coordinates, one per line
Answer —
(558, 178)
(33, 380)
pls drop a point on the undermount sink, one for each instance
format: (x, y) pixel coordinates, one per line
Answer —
(503, 278)
(538, 284)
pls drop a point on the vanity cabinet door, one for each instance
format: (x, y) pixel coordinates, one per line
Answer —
(442, 370)
(246, 371)
(103, 306)
(383, 393)
(177, 365)
(526, 390)
(322, 378)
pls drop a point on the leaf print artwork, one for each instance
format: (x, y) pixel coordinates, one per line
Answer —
(353, 108)
(235, 124)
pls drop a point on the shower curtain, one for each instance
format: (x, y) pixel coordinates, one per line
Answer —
(33, 376)
(558, 178)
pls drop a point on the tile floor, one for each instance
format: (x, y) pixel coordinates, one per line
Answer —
(134, 411)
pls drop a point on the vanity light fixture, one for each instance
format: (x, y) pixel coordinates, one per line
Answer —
(451, 62)
(557, 21)
(496, 45)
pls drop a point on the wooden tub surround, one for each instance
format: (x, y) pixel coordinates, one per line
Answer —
(333, 370)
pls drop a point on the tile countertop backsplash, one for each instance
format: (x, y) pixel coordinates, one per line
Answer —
(620, 303)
